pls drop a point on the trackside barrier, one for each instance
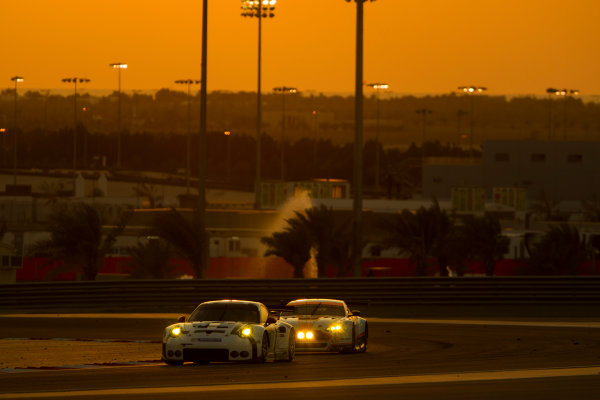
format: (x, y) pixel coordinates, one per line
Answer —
(182, 295)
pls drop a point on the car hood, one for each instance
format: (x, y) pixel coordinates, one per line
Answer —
(310, 321)
(211, 328)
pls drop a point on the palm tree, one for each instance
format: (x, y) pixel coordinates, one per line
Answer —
(150, 259)
(185, 236)
(147, 191)
(591, 209)
(457, 249)
(77, 240)
(293, 244)
(444, 229)
(560, 250)
(330, 240)
(547, 209)
(486, 243)
(415, 233)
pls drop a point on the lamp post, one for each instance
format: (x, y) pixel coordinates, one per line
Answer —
(459, 136)
(423, 112)
(75, 81)
(188, 142)
(358, 143)
(377, 87)
(16, 80)
(259, 9)
(471, 91)
(565, 93)
(228, 154)
(315, 129)
(202, 142)
(119, 66)
(283, 90)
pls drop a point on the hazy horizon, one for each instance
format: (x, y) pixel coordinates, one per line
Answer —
(512, 47)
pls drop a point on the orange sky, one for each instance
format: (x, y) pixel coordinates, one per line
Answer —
(425, 46)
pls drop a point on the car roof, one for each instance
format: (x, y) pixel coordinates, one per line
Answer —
(255, 303)
(332, 302)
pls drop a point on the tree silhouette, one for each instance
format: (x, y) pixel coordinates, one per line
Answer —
(77, 240)
(415, 233)
(560, 250)
(293, 244)
(184, 235)
(150, 259)
(329, 239)
(486, 243)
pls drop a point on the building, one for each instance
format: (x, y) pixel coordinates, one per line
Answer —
(562, 171)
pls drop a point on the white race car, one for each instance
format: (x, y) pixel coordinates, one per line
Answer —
(228, 330)
(326, 325)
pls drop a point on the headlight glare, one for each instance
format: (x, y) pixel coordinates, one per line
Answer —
(305, 335)
(245, 331)
(176, 331)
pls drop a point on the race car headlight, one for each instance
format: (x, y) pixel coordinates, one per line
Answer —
(244, 331)
(335, 328)
(175, 331)
(305, 335)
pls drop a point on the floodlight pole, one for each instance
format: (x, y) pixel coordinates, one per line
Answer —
(202, 143)
(358, 145)
(16, 80)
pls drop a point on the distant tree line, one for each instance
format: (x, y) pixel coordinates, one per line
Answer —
(319, 132)
(428, 237)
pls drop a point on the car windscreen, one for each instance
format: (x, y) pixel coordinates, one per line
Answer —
(226, 312)
(321, 309)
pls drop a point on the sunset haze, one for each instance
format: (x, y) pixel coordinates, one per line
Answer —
(433, 46)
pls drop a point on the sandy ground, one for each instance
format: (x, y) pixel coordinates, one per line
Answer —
(57, 353)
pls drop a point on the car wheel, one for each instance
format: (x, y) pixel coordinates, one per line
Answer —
(361, 343)
(352, 347)
(292, 346)
(173, 362)
(264, 349)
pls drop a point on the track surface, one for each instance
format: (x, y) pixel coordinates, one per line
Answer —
(119, 358)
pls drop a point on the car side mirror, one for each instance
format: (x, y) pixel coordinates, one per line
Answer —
(181, 319)
(356, 313)
(271, 320)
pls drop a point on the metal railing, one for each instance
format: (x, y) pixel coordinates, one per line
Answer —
(183, 295)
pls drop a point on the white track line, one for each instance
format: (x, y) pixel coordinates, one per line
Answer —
(547, 324)
(392, 380)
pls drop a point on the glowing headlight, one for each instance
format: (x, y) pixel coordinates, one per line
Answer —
(305, 335)
(176, 331)
(244, 331)
(335, 328)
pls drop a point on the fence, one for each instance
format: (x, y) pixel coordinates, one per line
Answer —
(366, 293)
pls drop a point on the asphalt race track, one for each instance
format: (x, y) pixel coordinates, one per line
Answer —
(95, 357)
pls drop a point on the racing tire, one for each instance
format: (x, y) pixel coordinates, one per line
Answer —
(352, 347)
(292, 346)
(264, 349)
(360, 345)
